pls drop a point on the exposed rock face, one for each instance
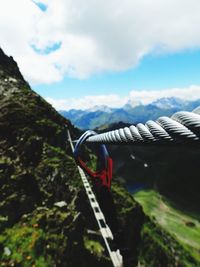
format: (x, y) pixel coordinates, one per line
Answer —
(45, 219)
(32, 133)
(37, 174)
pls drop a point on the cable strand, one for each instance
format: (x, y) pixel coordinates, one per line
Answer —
(183, 126)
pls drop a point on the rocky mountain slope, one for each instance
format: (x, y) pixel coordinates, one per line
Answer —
(45, 219)
(103, 115)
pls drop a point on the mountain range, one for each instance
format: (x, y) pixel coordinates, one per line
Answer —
(103, 115)
(45, 216)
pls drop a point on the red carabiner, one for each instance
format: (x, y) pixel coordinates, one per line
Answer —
(102, 177)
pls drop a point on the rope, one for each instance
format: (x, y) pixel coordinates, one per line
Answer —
(182, 127)
(106, 233)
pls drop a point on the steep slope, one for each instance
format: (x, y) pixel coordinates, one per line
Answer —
(45, 217)
(30, 130)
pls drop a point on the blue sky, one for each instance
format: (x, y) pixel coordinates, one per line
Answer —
(41, 5)
(78, 54)
(154, 72)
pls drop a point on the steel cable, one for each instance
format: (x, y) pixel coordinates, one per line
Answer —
(183, 126)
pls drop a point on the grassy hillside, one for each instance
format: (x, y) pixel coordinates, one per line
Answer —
(183, 226)
(158, 246)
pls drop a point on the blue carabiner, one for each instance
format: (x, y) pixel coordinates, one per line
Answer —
(103, 176)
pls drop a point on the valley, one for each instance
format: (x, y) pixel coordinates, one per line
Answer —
(178, 222)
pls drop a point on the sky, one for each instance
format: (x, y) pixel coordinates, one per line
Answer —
(78, 54)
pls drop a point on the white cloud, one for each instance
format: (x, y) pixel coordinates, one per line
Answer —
(145, 96)
(96, 35)
(87, 102)
(135, 97)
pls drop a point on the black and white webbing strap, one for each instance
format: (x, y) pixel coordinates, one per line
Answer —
(106, 233)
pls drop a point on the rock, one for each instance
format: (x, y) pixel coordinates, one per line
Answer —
(60, 204)
(7, 251)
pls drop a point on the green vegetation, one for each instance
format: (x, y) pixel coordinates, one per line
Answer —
(94, 247)
(21, 245)
(42, 238)
(91, 161)
(184, 227)
(160, 249)
(45, 217)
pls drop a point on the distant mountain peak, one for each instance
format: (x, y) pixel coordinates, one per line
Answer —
(100, 108)
(169, 102)
(129, 113)
(131, 103)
